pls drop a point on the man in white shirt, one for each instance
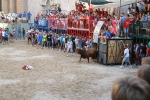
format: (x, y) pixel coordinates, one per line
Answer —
(69, 47)
(3, 36)
(77, 42)
(126, 56)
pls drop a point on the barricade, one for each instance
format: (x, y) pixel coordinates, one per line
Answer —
(84, 33)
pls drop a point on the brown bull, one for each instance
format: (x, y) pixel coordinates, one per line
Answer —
(91, 52)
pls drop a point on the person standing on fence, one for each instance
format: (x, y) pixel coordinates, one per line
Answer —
(19, 32)
(23, 33)
(126, 26)
(122, 19)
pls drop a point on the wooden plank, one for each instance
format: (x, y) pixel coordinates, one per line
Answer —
(111, 51)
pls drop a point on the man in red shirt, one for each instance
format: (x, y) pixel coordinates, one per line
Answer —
(126, 26)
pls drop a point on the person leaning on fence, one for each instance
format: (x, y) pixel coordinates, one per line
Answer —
(130, 88)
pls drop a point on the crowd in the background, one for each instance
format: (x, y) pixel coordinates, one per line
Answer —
(61, 42)
(14, 17)
(86, 17)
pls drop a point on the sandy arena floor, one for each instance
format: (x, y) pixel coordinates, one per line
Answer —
(55, 76)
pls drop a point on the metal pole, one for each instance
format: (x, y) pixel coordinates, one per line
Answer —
(120, 20)
(120, 9)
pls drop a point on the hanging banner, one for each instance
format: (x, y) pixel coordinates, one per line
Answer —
(97, 31)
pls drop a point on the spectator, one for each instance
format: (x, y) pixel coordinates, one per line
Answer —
(23, 33)
(130, 88)
(142, 51)
(69, 47)
(126, 26)
(24, 16)
(123, 18)
(29, 16)
(143, 73)
(20, 17)
(137, 25)
(19, 32)
(148, 28)
(126, 56)
(144, 20)
(104, 36)
(147, 51)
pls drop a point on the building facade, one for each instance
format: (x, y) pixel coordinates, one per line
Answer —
(34, 6)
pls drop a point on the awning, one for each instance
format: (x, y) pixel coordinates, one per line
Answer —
(96, 2)
(117, 4)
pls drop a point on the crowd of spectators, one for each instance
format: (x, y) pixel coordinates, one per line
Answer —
(15, 17)
(86, 17)
(61, 42)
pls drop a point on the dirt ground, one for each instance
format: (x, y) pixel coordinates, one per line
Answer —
(55, 76)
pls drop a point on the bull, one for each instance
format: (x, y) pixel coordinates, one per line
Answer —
(91, 52)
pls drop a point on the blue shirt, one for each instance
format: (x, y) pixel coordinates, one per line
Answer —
(19, 30)
(53, 38)
(24, 14)
(145, 18)
(107, 34)
(6, 34)
(20, 15)
(61, 40)
(122, 20)
(40, 38)
(29, 15)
